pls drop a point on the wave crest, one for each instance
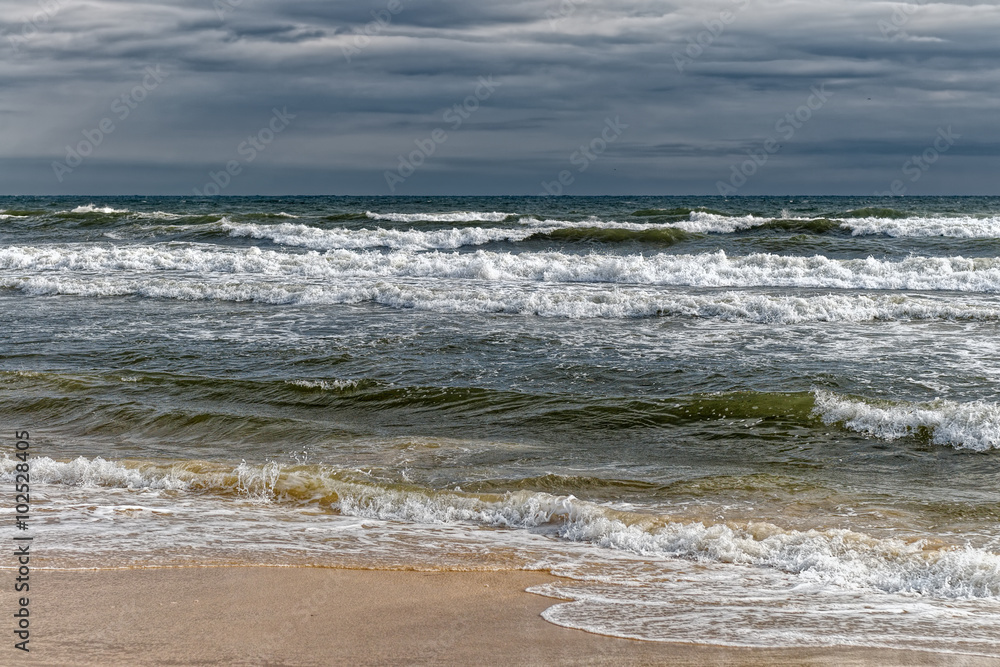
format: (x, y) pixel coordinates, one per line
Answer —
(453, 216)
(837, 557)
(974, 426)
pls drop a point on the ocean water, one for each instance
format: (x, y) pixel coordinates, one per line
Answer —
(748, 421)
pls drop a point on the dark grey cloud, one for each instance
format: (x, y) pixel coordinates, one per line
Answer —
(896, 74)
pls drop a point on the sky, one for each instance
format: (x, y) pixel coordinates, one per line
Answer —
(524, 97)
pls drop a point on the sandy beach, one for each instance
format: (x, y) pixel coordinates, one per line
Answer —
(311, 616)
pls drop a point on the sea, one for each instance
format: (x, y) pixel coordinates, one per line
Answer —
(753, 421)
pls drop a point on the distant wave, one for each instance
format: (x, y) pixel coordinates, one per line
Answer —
(563, 231)
(859, 222)
(671, 212)
(873, 212)
(91, 209)
(329, 239)
(454, 216)
(21, 213)
(915, 227)
(962, 228)
(664, 236)
(267, 216)
(711, 223)
(14, 213)
(158, 215)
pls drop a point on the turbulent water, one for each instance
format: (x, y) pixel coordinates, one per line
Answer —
(753, 421)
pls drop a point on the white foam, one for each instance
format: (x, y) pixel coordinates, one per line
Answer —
(325, 385)
(974, 426)
(703, 270)
(96, 472)
(159, 215)
(306, 236)
(90, 208)
(255, 483)
(594, 223)
(652, 577)
(356, 239)
(579, 301)
(721, 605)
(545, 284)
(960, 227)
(840, 558)
(551, 224)
(951, 227)
(704, 223)
(453, 216)
(833, 557)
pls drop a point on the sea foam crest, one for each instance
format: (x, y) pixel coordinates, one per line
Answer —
(704, 223)
(159, 215)
(951, 227)
(453, 216)
(96, 472)
(256, 483)
(705, 270)
(90, 208)
(961, 227)
(832, 557)
(325, 385)
(356, 239)
(838, 557)
(974, 426)
(316, 238)
(715, 269)
(576, 301)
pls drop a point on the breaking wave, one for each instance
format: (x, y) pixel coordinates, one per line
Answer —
(838, 557)
(329, 239)
(715, 269)
(455, 216)
(512, 299)
(974, 426)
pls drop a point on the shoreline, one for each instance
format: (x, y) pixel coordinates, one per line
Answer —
(318, 616)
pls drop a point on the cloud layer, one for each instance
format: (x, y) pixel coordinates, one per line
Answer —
(698, 85)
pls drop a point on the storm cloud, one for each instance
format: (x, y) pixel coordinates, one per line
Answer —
(372, 88)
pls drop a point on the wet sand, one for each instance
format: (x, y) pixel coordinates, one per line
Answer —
(305, 616)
